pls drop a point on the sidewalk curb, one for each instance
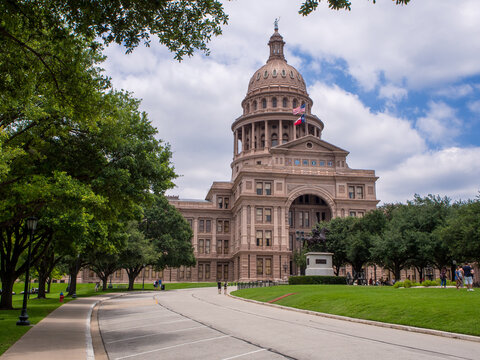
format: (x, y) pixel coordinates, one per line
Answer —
(370, 322)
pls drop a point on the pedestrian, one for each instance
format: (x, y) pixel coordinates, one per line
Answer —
(219, 285)
(225, 288)
(97, 285)
(468, 276)
(459, 277)
(443, 277)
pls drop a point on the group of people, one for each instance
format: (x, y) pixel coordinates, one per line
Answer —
(464, 275)
(157, 284)
(219, 285)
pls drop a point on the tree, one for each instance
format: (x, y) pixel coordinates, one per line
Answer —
(137, 253)
(169, 233)
(309, 6)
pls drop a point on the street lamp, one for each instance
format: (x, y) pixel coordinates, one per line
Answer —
(31, 226)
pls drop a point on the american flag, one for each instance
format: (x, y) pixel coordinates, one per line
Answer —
(300, 120)
(299, 110)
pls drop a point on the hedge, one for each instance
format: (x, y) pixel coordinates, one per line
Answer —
(316, 279)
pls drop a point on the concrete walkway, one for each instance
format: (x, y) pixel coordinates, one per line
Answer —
(63, 334)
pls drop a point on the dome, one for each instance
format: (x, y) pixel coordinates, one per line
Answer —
(276, 72)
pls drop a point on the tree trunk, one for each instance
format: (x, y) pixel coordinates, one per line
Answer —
(104, 282)
(73, 270)
(7, 288)
(396, 273)
(42, 279)
(49, 284)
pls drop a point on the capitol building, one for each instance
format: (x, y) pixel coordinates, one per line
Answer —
(285, 179)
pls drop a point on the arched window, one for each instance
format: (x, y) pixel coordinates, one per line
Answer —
(274, 102)
(274, 139)
(285, 138)
(255, 105)
(295, 103)
(285, 102)
(262, 141)
(248, 108)
(264, 103)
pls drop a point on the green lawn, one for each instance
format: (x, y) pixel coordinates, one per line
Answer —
(37, 309)
(433, 308)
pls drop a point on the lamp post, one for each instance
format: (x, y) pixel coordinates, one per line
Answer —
(23, 318)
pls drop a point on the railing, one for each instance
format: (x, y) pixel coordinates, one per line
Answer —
(257, 284)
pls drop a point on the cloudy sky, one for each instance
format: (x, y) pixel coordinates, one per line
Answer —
(396, 86)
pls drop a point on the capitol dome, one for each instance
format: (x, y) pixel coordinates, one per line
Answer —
(276, 72)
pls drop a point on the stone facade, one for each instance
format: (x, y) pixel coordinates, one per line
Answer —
(285, 178)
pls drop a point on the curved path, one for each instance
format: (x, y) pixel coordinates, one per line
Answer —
(200, 324)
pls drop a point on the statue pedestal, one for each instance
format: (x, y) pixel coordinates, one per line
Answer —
(319, 263)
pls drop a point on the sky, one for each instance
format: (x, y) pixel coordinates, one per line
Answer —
(396, 86)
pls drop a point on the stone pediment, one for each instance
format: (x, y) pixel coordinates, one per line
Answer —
(307, 144)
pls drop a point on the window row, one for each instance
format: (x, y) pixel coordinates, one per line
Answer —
(205, 226)
(203, 246)
(264, 237)
(274, 102)
(264, 266)
(308, 162)
(223, 202)
(223, 226)
(263, 215)
(184, 273)
(355, 191)
(301, 219)
(264, 188)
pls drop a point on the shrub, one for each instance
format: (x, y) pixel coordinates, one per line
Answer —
(428, 283)
(407, 283)
(316, 279)
(398, 284)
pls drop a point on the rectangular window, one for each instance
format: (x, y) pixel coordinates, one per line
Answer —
(201, 226)
(190, 222)
(259, 238)
(306, 220)
(297, 162)
(225, 202)
(268, 266)
(305, 162)
(225, 246)
(219, 271)
(260, 266)
(226, 226)
(322, 163)
(219, 246)
(208, 226)
(259, 188)
(259, 216)
(207, 271)
(200, 271)
(118, 274)
(188, 273)
(300, 219)
(219, 226)
(181, 272)
(268, 237)
(353, 213)
(268, 215)
(207, 246)
(359, 192)
(290, 218)
(351, 192)
(220, 203)
(290, 242)
(268, 188)
(200, 246)
(225, 272)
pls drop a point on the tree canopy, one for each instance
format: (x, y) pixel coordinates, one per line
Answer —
(309, 6)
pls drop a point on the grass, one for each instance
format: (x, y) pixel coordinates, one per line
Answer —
(433, 308)
(37, 309)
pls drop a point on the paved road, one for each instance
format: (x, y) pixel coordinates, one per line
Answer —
(200, 324)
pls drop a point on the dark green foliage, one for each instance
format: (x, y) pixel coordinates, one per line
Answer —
(309, 6)
(316, 279)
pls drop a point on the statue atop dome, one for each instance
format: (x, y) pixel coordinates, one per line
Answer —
(275, 24)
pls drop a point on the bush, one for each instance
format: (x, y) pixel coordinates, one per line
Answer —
(407, 283)
(316, 279)
(428, 283)
(398, 284)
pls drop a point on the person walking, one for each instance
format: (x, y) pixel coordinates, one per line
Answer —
(459, 277)
(468, 276)
(225, 288)
(443, 277)
(219, 285)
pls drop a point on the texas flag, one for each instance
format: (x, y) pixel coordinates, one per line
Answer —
(299, 110)
(300, 120)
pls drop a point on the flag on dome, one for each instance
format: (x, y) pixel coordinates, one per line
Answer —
(300, 120)
(299, 110)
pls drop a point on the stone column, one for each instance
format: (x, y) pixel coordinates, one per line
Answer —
(267, 135)
(243, 139)
(280, 131)
(283, 228)
(244, 240)
(235, 143)
(276, 240)
(252, 225)
(213, 243)
(252, 136)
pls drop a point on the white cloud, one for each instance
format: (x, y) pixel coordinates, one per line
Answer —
(474, 106)
(456, 92)
(440, 125)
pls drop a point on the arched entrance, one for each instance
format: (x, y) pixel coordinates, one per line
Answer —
(304, 213)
